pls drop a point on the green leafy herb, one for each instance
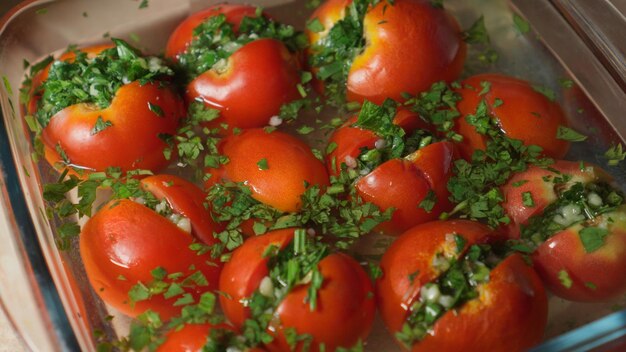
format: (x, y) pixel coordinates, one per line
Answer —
(100, 125)
(262, 164)
(477, 33)
(593, 238)
(615, 154)
(428, 203)
(520, 24)
(545, 91)
(566, 83)
(144, 4)
(570, 135)
(96, 80)
(527, 199)
(315, 25)
(333, 54)
(566, 281)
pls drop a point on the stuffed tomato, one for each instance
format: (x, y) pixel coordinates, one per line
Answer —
(106, 106)
(521, 111)
(374, 50)
(239, 61)
(301, 295)
(572, 220)
(443, 288)
(139, 254)
(398, 163)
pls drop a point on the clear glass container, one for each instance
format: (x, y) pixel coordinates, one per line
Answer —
(45, 291)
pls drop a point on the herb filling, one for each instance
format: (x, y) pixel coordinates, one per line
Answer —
(215, 40)
(96, 80)
(576, 204)
(457, 284)
(333, 54)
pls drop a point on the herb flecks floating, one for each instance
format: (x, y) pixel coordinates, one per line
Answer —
(96, 80)
(478, 37)
(334, 53)
(215, 40)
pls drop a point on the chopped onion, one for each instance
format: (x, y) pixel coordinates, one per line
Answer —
(350, 162)
(430, 293)
(266, 288)
(380, 144)
(594, 199)
(275, 121)
(446, 301)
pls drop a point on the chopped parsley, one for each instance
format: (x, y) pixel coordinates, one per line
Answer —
(100, 125)
(615, 154)
(565, 279)
(520, 24)
(570, 135)
(96, 80)
(262, 164)
(593, 238)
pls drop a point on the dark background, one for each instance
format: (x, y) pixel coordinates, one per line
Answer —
(6, 5)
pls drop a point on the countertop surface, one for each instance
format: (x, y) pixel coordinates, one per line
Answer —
(8, 339)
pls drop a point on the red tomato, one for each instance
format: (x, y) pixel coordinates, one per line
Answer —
(513, 297)
(562, 261)
(345, 304)
(131, 142)
(410, 46)
(523, 114)
(289, 164)
(122, 243)
(192, 338)
(403, 184)
(569, 271)
(259, 77)
(542, 190)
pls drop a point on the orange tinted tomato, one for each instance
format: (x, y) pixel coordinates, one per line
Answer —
(345, 302)
(256, 81)
(275, 166)
(192, 338)
(521, 111)
(513, 296)
(131, 142)
(125, 241)
(409, 46)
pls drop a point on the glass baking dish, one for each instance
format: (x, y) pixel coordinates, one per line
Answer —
(45, 292)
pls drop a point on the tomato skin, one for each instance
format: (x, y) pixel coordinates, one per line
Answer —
(404, 183)
(542, 191)
(186, 199)
(412, 253)
(410, 46)
(132, 142)
(190, 338)
(524, 114)
(596, 276)
(510, 315)
(350, 139)
(345, 305)
(126, 239)
(513, 296)
(259, 77)
(290, 163)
